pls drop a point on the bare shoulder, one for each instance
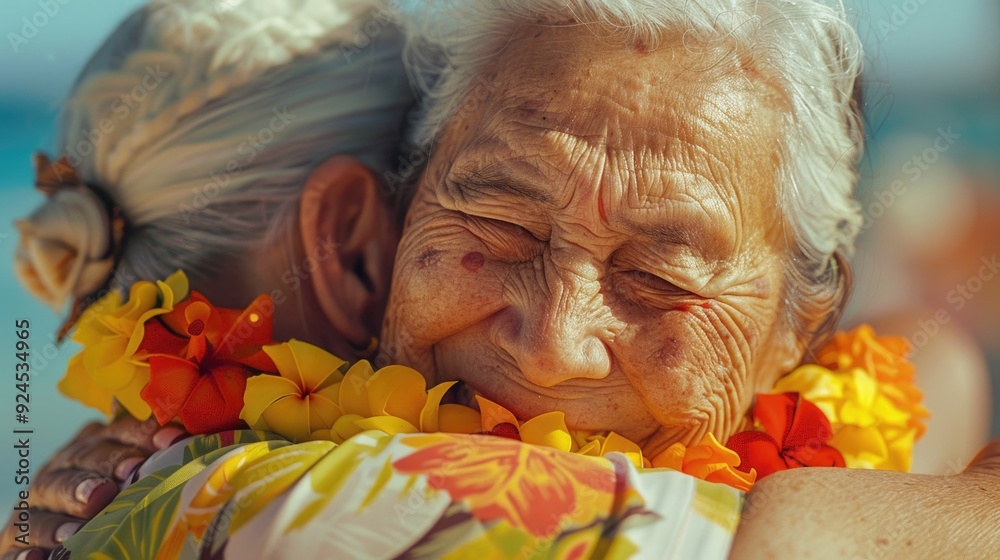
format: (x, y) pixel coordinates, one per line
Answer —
(845, 513)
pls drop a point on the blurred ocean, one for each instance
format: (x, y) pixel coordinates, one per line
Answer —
(37, 75)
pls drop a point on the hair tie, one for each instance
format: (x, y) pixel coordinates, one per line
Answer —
(69, 246)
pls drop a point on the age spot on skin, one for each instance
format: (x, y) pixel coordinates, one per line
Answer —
(429, 257)
(473, 261)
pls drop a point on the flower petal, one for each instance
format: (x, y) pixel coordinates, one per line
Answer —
(458, 419)
(323, 411)
(130, 397)
(809, 427)
(215, 403)
(317, 367)
(549, 430)
(171, 380)
(251, 328)
(281, 355)
(345, 428)
(78, 385)
(353, 389)
(429, 414)
(671, 458)
(615, 443)
(263, 391)
(173, 289)
(104, 353)
(757, 450)
(289, 418)
(774, 412)
(397, 391)
(391, 425)
(493, 414)
(862, 448)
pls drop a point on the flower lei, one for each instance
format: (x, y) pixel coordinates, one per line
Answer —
(171, 354)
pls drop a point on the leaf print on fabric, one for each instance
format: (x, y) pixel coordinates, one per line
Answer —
(530, 487)
(133, 525)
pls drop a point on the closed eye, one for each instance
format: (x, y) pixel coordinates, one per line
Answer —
(652, 281)
(506, 239)
(648, 289)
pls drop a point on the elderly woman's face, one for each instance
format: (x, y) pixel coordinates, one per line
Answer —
(597, 233)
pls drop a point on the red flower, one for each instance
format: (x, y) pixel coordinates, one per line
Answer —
(200, 358)
(795, 435)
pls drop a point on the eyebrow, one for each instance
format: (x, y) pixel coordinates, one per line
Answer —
(660, 234)
(498, 181)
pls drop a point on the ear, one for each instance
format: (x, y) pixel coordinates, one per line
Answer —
(349, 241)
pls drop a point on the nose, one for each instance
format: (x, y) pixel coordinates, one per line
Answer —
(557, 334)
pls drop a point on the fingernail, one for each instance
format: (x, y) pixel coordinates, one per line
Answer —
(31, 554)
(85, 489)
(67, 530)
(124, 469)
(168, 435)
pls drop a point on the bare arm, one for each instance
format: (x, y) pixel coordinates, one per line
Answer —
(843, 513)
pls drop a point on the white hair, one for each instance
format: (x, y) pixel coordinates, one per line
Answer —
(202, 119)
(807, 46)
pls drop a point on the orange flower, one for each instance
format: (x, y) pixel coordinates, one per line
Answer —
(530, 487)
(885, 358)
(200, 358)
(709, 461)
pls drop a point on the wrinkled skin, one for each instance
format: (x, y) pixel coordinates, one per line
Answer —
(598, 232)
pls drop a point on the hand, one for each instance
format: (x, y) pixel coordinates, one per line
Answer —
(80, 480)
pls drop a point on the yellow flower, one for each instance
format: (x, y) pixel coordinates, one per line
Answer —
(111, 365)
(871, 431)
(301, 399)
(394, 400)
(550, 430)
(884, 357)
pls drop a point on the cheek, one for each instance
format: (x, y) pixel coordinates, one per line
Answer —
(688, 368)
(444, 283)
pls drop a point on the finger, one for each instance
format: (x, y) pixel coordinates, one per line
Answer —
(127, 429)
(74, 492)
(45, 530)
(61, 457)
(25, 554)
(167, 435)
(89, 430)
(105, 457)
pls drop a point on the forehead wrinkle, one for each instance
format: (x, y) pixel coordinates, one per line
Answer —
(512, 163)
(539, 122)
(658, 195)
